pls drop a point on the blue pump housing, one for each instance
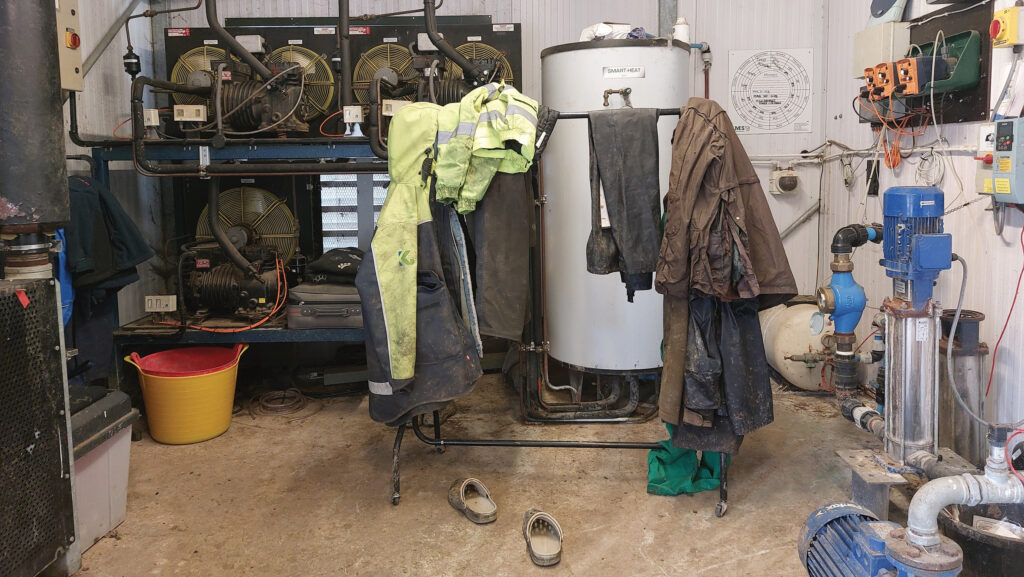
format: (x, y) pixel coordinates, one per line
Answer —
(913, 244)
(850, 302)
(847, 540)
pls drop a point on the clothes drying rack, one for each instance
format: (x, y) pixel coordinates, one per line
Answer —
(440, 443)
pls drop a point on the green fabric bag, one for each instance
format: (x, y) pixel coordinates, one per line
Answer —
(673, 471)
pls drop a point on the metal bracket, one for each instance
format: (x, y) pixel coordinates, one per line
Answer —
(871, 478)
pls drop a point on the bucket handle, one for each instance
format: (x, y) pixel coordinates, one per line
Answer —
(239, 349)
(136, 361)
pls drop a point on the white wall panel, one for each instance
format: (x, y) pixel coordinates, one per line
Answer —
(101, 106)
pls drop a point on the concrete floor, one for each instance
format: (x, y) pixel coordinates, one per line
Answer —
(311, 497)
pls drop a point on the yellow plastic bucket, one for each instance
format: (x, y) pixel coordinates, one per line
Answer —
(189, 393)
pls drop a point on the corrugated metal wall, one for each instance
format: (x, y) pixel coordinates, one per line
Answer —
(101, 106)
(545, 23)
(994, 261)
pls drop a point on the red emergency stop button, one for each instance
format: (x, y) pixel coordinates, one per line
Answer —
(72, 40)
(995, 28)
(987, 159)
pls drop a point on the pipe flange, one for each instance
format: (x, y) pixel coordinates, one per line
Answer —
(826, 300)
(946, 556)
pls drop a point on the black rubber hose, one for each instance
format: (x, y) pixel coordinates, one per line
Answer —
(233, 45)
(469, 70)
(346, 53)
(373, 122)
(213, 210)
(77, 138)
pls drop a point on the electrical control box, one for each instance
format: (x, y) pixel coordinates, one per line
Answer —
(914, 74)
(883, 43)
(885, 81)
(1008, 165)
(69, 45)
(1005, 29)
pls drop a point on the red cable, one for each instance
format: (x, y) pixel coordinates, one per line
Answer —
(865, 340)
(1016, 293)
(324, 123)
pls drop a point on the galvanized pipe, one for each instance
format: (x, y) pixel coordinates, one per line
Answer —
(996, 486)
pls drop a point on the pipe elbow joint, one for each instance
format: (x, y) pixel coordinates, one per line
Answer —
(854, 235)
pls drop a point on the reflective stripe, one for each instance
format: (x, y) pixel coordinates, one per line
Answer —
(527, 114)
(490, 115)
(379, 388)
(444, 136)
(492, 89)
(465, 129)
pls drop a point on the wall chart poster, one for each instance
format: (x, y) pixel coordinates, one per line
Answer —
(770, 90)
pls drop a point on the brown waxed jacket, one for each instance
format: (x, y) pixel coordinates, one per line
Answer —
(720, 236)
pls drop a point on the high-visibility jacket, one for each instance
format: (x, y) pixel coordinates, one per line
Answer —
(419, 352)
(492, 129)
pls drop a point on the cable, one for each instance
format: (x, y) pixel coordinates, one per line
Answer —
(1016, 293)
(865, 340)
(280, 403)
(324, 123)
(116, 128)
(949, 347)
(430, 80)
(971, 7)
(929, 172)
(1006, 85)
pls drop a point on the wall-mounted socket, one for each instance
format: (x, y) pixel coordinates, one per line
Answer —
(161, 303)
(189, 113)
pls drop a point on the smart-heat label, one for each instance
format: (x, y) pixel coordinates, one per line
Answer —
(624, 72)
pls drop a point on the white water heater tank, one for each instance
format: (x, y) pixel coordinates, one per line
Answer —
(590, 323)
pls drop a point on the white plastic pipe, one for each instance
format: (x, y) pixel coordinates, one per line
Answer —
(996, 486)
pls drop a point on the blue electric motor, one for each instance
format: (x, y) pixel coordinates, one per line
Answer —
(913, 244)
(847, 540)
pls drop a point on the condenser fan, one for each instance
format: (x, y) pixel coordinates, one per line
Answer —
(393, 56)
(253, 217)
(318, 90)
(200, 58)
(481, 51)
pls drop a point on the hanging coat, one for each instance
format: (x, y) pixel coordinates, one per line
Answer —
(419, 352)
(720, 237)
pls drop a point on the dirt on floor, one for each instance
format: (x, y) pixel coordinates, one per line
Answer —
(279, 496)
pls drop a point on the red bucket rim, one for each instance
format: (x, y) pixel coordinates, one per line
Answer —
(140, 362)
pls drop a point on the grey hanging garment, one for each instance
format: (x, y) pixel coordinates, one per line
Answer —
(624, 166)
